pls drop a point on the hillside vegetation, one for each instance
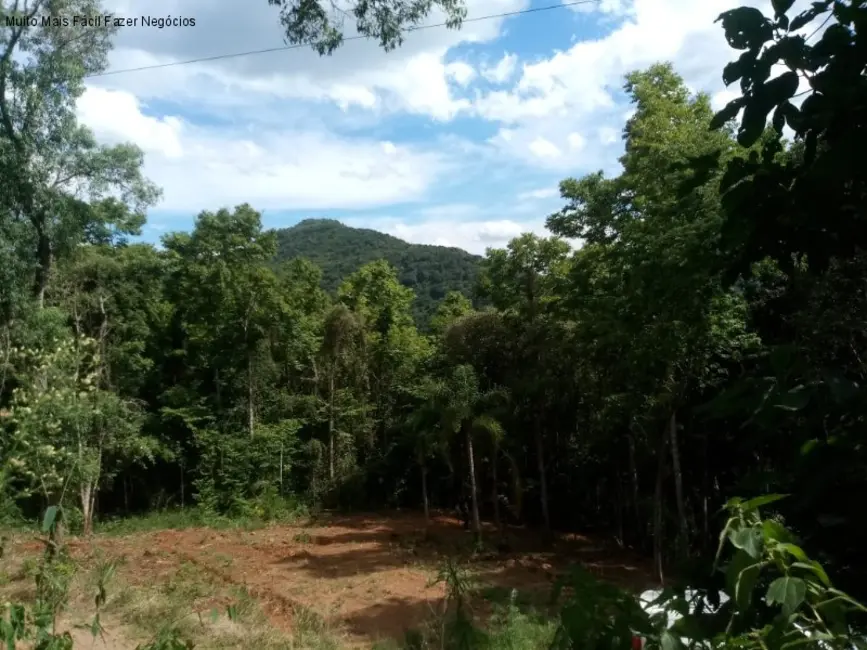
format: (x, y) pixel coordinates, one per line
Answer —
(682, 401)
(338, 250)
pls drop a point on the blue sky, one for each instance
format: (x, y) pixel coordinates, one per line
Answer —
(457, 138)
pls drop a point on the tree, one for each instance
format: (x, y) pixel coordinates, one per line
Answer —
(65, 430)
(342, 359)
(311, 22)
(648, 281)
(394, 348)
(522, 281)
(428, 432)
(58, 181)
(466, 410)
(454, 306)
(223, 268)
(798, 204)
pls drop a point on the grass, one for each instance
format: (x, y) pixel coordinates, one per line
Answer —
(157, 596)
(193, 517)
(189, 604)
(196, 606)
(211, 616)
(510, 627)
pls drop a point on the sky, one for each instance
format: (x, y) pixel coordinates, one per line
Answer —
(457, 138)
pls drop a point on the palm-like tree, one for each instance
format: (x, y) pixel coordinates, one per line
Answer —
(456, 406)
(427, 434)
(468, 410)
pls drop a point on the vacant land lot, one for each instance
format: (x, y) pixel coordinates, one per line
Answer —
(337, 581)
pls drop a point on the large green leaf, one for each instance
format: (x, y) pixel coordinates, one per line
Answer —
(763, 500)
(774, 530)
(727, 113)
(49, 519)
(748, 539)
(816, 568)
(780, 89)
(787, 591)
(752, 123)
(746, 27)
(741, 575)
(740, 68)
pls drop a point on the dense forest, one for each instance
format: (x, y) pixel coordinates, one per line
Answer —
(703, 343)
(338, 250)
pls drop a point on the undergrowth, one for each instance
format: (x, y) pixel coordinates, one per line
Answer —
(765, 593)
(285, 511)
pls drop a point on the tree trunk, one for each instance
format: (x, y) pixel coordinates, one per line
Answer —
(495, 494)
(43, 270)
(658, 530)
(88, 493)
(543, 481)
(474, 494)
(705, 488)
(633, 477)
(251, 422)
(618, 508)
(331, 425)
(517, 489)
(683, 529)
(7, 351)
(424, 497)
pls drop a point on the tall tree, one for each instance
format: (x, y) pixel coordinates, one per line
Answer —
(59, 181)
(522, 281)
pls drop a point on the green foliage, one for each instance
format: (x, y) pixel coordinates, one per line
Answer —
(596, 615)
(60, 185)
(168, 639)
(321, 26)
(430, 271)
(705, 341)
(787, 204)
(64, 430)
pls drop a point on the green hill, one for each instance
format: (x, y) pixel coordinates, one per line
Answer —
(430, 271)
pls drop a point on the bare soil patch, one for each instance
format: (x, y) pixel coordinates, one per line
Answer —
(368, 575)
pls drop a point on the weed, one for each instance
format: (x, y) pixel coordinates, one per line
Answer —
(302, 538)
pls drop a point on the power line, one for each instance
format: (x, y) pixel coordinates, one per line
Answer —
(359, 37)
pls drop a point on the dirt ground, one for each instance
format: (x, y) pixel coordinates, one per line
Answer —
(368, 575)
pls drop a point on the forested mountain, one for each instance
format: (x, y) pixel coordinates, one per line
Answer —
(703, 353)
(430, 271)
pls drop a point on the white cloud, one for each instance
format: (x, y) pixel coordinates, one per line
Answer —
(576, 93)
(206, 168)
(117, 117)
(291, 129)
(503, 70)
(541, 193)
(544, 148)
(576, 141)
(413, 78)
(608, 135)
(473, 235)
(461, 72)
